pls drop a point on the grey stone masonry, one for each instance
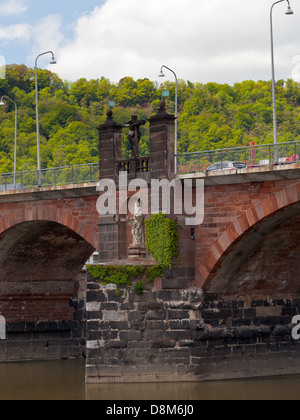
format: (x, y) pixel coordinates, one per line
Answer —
(185, 335)
(29, 341)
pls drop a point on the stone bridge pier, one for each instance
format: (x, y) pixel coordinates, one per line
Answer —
(226, 308)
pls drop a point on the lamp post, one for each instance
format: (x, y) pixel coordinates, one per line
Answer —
(288, 12)
(16, 127)
(37, 116)
(176, 110)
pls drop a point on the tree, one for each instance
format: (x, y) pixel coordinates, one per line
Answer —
(211, 116)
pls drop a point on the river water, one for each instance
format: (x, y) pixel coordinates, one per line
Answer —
(64, 380)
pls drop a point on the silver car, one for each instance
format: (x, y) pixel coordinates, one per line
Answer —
(225, 166)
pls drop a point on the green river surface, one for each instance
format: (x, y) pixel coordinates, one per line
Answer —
(64, 380)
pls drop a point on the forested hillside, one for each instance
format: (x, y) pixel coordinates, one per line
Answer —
(211, 116)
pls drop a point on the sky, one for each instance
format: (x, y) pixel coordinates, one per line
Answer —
(224, 41)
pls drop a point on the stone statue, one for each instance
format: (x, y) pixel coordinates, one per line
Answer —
(137, 224)
(134, 135)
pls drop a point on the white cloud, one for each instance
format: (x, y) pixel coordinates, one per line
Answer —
(12, 7)
(202, 41)
(46, 36)
(14, 32)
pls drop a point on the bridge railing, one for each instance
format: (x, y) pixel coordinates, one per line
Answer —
(248, 157)
(50, 177)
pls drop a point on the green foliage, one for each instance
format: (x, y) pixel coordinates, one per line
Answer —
(125, 275)
(139, 288)
(154, 272)
(162, 239)
(120, 275)
(211, 116)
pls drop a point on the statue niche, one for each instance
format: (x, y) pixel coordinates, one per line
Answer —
(137, 248)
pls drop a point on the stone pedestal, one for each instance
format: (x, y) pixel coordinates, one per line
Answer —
(112, 238)
(136, 251)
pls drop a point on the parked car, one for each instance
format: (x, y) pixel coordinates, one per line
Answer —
(224, 166)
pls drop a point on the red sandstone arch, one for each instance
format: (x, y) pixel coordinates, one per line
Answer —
(51, 213)
(40, 266)
(266, 208)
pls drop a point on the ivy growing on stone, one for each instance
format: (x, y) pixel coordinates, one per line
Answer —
(119, 274)
(162, 241)
(139, 288)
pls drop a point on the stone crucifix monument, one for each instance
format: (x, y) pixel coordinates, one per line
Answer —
(134, 135)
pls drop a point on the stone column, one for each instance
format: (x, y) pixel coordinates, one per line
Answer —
(110, 147)
(111, 231)
(162, 144)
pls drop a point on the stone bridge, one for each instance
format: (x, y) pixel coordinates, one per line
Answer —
(224, 310)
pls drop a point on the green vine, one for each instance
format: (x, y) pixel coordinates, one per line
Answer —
(119, 274)
(154, 272)
(162, 241)
(139, 288)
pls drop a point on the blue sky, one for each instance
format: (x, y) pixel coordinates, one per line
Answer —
(225, 41)
(32, 13)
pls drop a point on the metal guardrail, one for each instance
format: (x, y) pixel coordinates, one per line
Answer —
(249, 156)
(50, 177)
(243, 157)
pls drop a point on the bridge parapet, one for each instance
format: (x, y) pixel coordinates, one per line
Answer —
(267, 173)
(252, 156)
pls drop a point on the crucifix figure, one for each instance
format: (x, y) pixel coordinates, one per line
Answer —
(134, 135)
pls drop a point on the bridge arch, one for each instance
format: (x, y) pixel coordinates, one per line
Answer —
(39, 263)
(36, 211)
(239, 240)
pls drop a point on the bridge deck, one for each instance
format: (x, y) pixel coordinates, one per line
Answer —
(225, 177)
(247, 175)
(49, 193)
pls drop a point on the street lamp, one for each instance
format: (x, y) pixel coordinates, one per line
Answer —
(37, 115)
(288, 12)
(176, 110)
(2, 103)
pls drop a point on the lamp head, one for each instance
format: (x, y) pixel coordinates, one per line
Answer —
(289, 10)
(161, 74)
(53, 61)
(1, 102)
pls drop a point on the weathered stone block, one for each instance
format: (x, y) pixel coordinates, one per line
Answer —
(112, 315)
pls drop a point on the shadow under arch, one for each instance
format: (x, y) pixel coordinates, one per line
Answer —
(237, 254)
(39, 261)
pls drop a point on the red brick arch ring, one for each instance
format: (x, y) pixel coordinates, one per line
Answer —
(51, 214)
(241, 237)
